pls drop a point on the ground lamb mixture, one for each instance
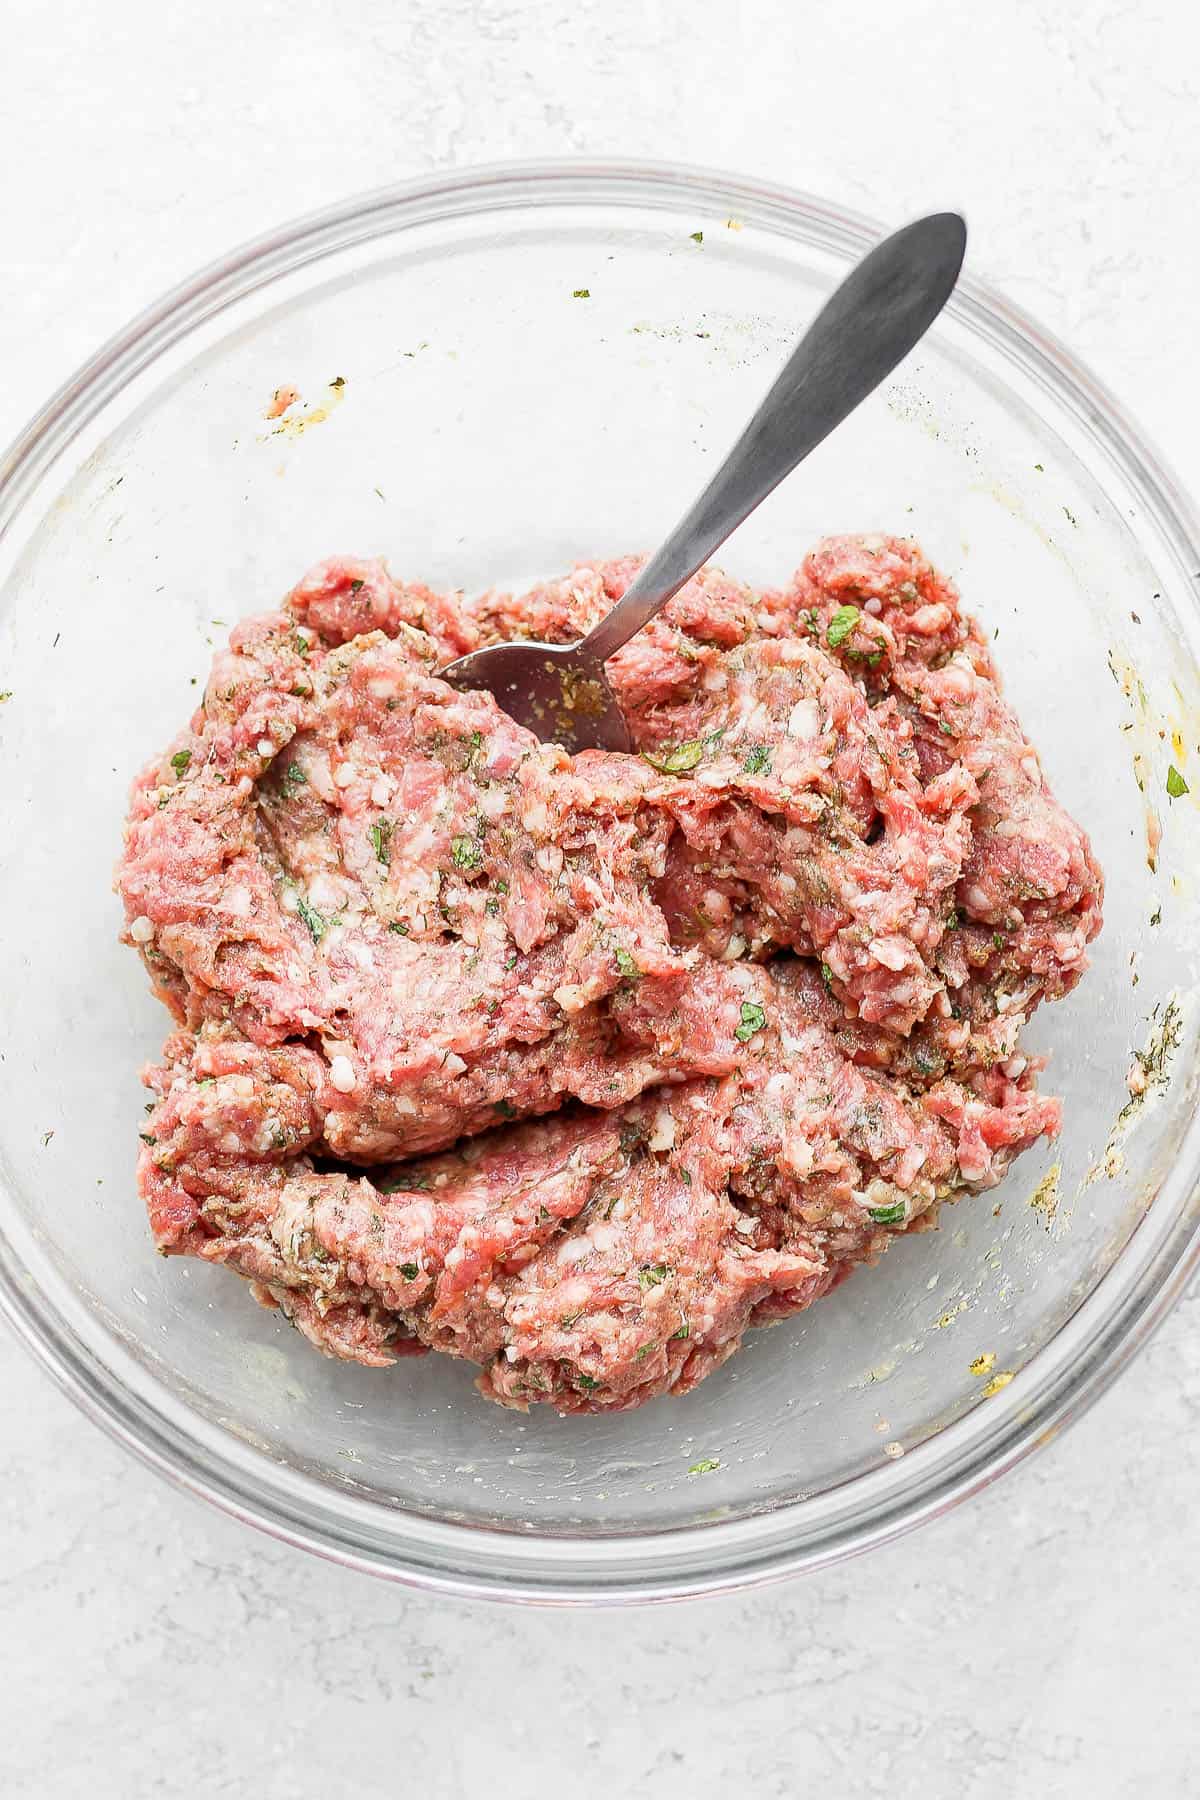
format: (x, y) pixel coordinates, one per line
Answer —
(577, 1067)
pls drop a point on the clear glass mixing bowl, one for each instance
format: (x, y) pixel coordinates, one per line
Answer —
(503, 371)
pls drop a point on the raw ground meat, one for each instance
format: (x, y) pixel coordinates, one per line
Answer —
(764, 982)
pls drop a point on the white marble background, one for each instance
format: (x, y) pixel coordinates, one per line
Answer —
(1043, 1642)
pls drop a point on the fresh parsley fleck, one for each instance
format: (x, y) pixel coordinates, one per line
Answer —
(888, 1215)
(685, 1331)
(587, 1382)
(1177, 787)
(705, 1466)
(945, 729)
(685, 1175)
(581, 293)
(466, 853)
(841, 625)
(757, 760)
(46, 1136)
(998, 939)
(506, 1109)
(827, 975)
(147, 1137)
(180, 761)
(294, 778)
(380, 835)
(317, 923)
(652, 1275)
(626, 964)
(399, 927)
(1039, 468)
(697, 237)
(1156, 916)
(677, 761)
(953, 919)
(510, 961)
(410, 1271)
(5, 694)
(403, 1182)
(753, 1019)
(357, 586)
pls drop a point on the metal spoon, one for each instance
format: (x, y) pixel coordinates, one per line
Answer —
(886, 303)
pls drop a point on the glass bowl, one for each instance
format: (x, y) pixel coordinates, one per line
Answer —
(503, 371)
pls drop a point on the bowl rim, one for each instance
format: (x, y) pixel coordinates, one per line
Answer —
(1059, 1382)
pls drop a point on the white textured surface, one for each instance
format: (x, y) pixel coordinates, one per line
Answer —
(1042, 1642)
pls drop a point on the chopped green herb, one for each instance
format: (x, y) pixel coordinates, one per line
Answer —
(356, 587)
(466, 853)
(147, 1137)
(1176, 785)
(410, 1271)
(587, 1382)
(294, 778)
(945, 729)
(705, 1466)
(402, 1182)
(581, 293)
(180, 761)
(317, 924)
(626, 964)
(685, 1331)
(757, 760)
(953, 919)
(685, 1175)
(841, 625)
(998, 939)
(753, 1019)
(510, 961)
(652, 1275)
(697, 237)
(888, 1215)
(5, 694)
(380, 835)
(506, 1109)
(827, 975)
(677, 761)
(399, 927)
(500, 885)
(46, 1136)
(1039, 468)
(712, 742)
(1156, 916)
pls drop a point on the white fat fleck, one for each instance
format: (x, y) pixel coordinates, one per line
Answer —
(382, 687)
(743, 1224)
(892, 952)
(1015, 1067)
(734, 949)
(873, 606)
(237, 902)
(494, 1297)
(714, 681)
(663, 1135)
(453, 1065)
(142, 929)
(346, 775)
(325, 893)
(549, 859)
(804, 720)
(381, 790)
(341, 1073)
(573, 1250)
(778, 1085)
(570, 997)
(266, 747)
(1032, 767)
(604, 1237)
(535, 818)
(512, 1353)
(316, 773)
(230, 1143)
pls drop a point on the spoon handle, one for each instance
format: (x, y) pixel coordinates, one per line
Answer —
(886, 303)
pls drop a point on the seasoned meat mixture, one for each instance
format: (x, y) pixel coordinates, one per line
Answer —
(579, 1066)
